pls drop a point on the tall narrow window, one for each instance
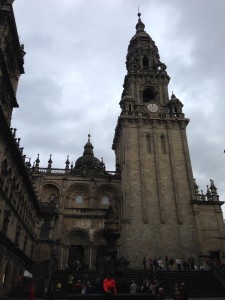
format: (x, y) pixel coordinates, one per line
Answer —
(163, 144)
(149, 143)
(145, 62)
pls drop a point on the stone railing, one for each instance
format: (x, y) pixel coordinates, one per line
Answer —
(73, 172)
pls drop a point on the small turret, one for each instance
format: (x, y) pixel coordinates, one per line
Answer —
(50, 162)
(67, 163)
(37, 162)
(175, 106)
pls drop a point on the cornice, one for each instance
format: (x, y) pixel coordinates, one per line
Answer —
(212, 203)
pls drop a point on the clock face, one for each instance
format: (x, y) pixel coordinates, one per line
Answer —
(152, 107)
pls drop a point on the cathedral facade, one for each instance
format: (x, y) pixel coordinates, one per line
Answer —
(151, 202)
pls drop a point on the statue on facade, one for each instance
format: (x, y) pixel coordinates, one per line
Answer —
(112, 214)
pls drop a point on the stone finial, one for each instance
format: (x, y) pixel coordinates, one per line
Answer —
(102, 164)
(50, 162)
(172, 95)
(67, 162)
(37, 161)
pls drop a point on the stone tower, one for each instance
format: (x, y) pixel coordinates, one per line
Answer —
(151, 150)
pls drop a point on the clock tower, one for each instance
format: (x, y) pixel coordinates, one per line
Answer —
(152, 153)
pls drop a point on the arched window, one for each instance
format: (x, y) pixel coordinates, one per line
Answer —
(105, 200)
(129, 107)
(79, 199)
(145, 62)
(163, 144)
(148, 95)
(45, 230)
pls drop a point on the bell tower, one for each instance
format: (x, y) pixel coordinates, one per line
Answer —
(146, 78)
(152, 153)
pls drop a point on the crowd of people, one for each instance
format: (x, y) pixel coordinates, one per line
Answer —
(110, 287)
(73, 287)
(168, 264)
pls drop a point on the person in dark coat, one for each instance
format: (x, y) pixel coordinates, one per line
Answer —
(51, 292)
(77, 289)
(184, 291)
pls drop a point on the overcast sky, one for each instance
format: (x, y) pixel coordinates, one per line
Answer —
(75, 67)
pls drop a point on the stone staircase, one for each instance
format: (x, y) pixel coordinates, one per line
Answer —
(201, 284)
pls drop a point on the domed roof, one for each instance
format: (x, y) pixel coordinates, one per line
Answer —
(140, 26)
(88, 160)
(174, 100)
(140, 29)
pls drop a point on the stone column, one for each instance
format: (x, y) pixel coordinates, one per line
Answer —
(87, 255)
(92, 257)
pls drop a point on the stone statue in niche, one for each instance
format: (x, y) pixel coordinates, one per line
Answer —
(52, 199)
(113, 213)
(45, 230)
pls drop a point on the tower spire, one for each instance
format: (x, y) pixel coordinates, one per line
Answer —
(140, 26)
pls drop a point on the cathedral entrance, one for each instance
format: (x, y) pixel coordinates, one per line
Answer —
(76, 253)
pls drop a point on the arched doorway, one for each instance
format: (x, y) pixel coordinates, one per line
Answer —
(76, 253)
(78, 241)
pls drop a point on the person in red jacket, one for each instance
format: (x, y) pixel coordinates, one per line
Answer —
(109, 285)
(31, 291)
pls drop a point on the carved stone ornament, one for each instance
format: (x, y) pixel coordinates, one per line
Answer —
(68, 224)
